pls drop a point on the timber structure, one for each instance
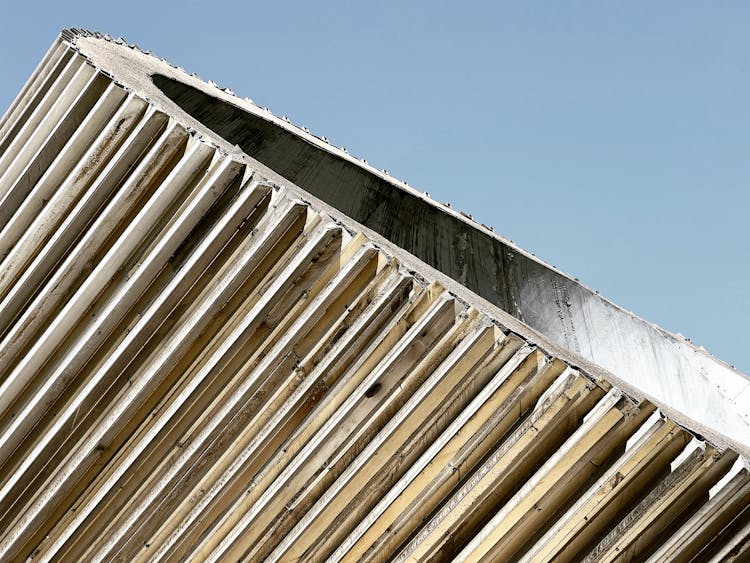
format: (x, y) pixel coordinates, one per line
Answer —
(222, 338)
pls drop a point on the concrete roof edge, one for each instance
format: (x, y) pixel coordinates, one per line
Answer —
(75, 36)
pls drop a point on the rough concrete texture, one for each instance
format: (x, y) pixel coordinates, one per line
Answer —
(200, 360)
(661, 366)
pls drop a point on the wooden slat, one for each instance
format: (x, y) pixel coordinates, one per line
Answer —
(198, 364)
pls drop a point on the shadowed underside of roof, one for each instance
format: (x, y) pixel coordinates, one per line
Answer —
(196, 363)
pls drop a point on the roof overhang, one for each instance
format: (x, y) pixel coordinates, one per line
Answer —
(701, 391)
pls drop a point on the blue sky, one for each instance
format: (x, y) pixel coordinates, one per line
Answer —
(609, 138)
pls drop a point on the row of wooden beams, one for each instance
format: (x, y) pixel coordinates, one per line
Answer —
(196, 364)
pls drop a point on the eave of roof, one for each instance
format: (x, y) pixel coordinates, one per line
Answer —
(196, 362)
(651, 362)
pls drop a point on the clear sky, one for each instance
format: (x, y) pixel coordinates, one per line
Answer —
(612, 139)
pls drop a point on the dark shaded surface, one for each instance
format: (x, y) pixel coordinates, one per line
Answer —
(667, 368)
(446, 243)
